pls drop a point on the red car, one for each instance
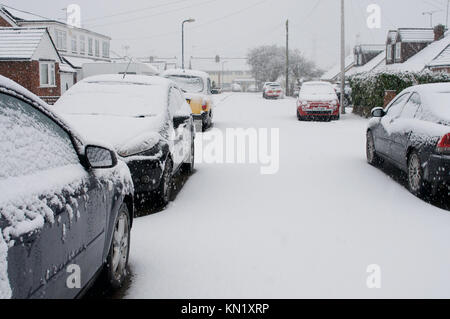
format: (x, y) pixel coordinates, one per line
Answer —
(273, 91)
(318, 100)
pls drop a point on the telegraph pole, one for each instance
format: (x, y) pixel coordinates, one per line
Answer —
(342, 56)
(287, 58)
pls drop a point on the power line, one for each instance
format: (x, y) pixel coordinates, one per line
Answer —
(136, 10)
(196, 26)
(153, 15)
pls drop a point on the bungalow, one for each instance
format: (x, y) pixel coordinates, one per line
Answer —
(29, 57)
(416, 50)
(334, 74)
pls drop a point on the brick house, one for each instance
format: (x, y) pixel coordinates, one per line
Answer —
(29, 57)
(76, 46)
(404, 43)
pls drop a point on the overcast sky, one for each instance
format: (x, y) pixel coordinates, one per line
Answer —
(231, 27)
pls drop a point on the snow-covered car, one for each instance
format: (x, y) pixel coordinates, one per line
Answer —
(236, 88)
(145, 118)
(66, 207)
(413, 133)
(196, 86)
(273, 91)
(317, 100)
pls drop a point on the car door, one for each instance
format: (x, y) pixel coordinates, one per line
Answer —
(383, 136)
(53, 224)
(178, 136)
(402, 128)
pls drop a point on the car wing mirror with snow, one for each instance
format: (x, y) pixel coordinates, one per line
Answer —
(99, 157)
(378, 112)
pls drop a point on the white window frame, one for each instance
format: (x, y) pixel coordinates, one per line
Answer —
(389, 52)
(82, 44)
(105, 49)
(74, 43)
(97, 48)
(398, 51)
(90, 46)
(61, 40)
(51, 73)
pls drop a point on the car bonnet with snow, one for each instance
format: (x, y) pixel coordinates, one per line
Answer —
(128, 113)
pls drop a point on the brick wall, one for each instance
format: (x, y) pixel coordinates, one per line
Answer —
(26, 73)
(4, 23)
(441, 69)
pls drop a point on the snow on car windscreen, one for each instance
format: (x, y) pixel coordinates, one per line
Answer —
(190, 84)
(114, 98)
(317, 89)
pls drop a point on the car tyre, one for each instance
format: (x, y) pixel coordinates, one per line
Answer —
(371, 153)
(164, 193)
(416, 181)
(116, 268)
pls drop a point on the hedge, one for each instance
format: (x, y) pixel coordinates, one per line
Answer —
(368, 89)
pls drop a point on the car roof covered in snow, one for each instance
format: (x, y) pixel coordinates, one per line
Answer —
(435, 100)
(130, 79)
(8, 84)
(317, 83)
(179, 72)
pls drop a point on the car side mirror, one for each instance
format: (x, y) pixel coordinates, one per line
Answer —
(100, 158)
(180, 120)
(378, 112)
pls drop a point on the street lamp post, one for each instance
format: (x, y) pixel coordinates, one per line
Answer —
(182, 39)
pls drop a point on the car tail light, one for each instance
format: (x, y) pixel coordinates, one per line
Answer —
(204, 107)
(444, 144)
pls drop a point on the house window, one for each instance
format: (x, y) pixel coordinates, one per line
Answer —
(398, 51)
(82, 44)
(389, 52)
(97, 48)
(90, 47)
(47, 74)
(61, 40)
(74, 41)
(105, 49)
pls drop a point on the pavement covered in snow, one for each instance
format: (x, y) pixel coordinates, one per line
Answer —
(311, 230)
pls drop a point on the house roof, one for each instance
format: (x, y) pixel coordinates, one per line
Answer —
(392, 36)
(77, 62)
(21, 17)
(416, 34)
(331, 74)
(370, 47)
(443, 59)
(369, 66)
(421, 60)
(21, 43)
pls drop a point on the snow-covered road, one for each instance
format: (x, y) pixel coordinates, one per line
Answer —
(309, 231)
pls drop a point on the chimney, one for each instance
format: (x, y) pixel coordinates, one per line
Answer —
(439, 32)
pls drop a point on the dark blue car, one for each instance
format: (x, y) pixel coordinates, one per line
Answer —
(66, 208)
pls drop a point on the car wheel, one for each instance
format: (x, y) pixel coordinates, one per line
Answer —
(117, 261)
(416, 182)
(371, 153)
(166, 184)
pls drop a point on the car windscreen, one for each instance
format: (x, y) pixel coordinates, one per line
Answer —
(317, 89)
(190, 84)
(114, 99)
